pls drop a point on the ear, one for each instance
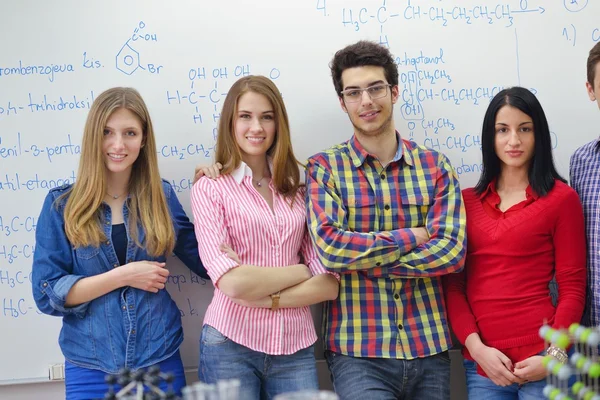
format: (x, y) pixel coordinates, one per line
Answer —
(590, 91)
(395, 93)
(342, 104)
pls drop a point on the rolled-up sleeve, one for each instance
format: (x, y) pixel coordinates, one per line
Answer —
(52, 277)
(210, 227)
(186, 245)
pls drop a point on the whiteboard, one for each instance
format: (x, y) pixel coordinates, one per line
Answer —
(183, 56)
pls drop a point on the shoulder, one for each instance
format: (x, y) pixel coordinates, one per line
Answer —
(586, 151)
(469, 193)
(59, 195)
(213, 189)
(562, 193)
(425, 155)
(60, 190)
(328, 156)
(167, 187)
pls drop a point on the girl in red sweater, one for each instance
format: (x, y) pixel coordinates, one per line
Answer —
(524, 226)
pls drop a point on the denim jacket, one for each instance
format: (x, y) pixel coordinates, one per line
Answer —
(127, 327)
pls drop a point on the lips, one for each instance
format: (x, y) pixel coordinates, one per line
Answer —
(117, 157)
(255, 139)
(368, 115)
(514, 153)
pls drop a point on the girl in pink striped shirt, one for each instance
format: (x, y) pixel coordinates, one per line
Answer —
(252, 237)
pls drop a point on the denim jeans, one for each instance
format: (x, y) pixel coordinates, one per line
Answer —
(262, 376)
(482, 388)
(356, 378)
(83, 383)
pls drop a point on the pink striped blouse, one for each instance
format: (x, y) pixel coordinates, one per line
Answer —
(229, 210)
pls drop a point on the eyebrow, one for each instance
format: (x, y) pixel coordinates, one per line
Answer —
(522, 123)
(129, 128)
(368, 85)
(250, 112)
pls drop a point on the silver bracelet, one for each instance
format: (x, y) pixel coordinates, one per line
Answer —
(559, 354)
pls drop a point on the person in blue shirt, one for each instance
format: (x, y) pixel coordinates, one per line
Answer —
(101, 246)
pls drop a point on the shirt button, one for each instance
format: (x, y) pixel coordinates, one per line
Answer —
(107, 222)
(124, 308)
(115, 265)
(396, 296)
(131, 307)
(400, 326)
(382, 176)
(45, 284)
(387, 207)
(133, 331)
(107, 242)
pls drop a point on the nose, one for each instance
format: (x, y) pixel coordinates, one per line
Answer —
(365, 98)
(118, 142)
(256, 126)
(514, 140)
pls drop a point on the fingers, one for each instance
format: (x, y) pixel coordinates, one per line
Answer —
(506, 361)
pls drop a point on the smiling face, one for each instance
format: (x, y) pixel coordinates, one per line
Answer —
(254, 125)
(370, 117)
(122, 141)
(514, 138)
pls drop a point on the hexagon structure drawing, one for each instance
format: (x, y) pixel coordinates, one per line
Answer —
(128, 60)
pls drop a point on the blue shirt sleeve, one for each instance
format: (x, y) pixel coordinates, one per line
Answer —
(186, 245)
(52, 277)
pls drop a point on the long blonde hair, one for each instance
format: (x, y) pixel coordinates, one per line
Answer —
(286, 177)
(147, 203)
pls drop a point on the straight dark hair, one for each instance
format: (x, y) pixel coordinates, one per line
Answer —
(542, 172)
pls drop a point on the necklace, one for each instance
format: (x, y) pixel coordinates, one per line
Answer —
(258, 182)
(115, 196)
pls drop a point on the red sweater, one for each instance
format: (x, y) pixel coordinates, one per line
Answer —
(503, 294)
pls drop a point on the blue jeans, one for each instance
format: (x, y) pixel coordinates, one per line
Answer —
(262, 376)
(356, 378)
(84, 383)
(482, 388)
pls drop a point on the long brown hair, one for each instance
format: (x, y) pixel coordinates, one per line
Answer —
(286, 177)
(147, 203)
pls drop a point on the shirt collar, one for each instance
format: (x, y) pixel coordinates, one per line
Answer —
(358, 154)
(491, 190)
(243, 170)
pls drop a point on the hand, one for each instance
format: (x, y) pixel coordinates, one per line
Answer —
(230, 253)
(265, 302)
(530, 369)
(421, 235)
(496, 365)
(150, 276)
(212, 171)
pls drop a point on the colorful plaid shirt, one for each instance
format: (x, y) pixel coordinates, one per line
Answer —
(584, 174)
(391, 303)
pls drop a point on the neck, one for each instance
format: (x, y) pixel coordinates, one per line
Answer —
(512, 179)
(259, 167)
(117, 184)
(384, 146)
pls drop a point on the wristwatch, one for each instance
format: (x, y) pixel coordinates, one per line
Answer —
(275, 301)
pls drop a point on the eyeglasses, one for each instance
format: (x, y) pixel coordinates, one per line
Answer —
(374, 92)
